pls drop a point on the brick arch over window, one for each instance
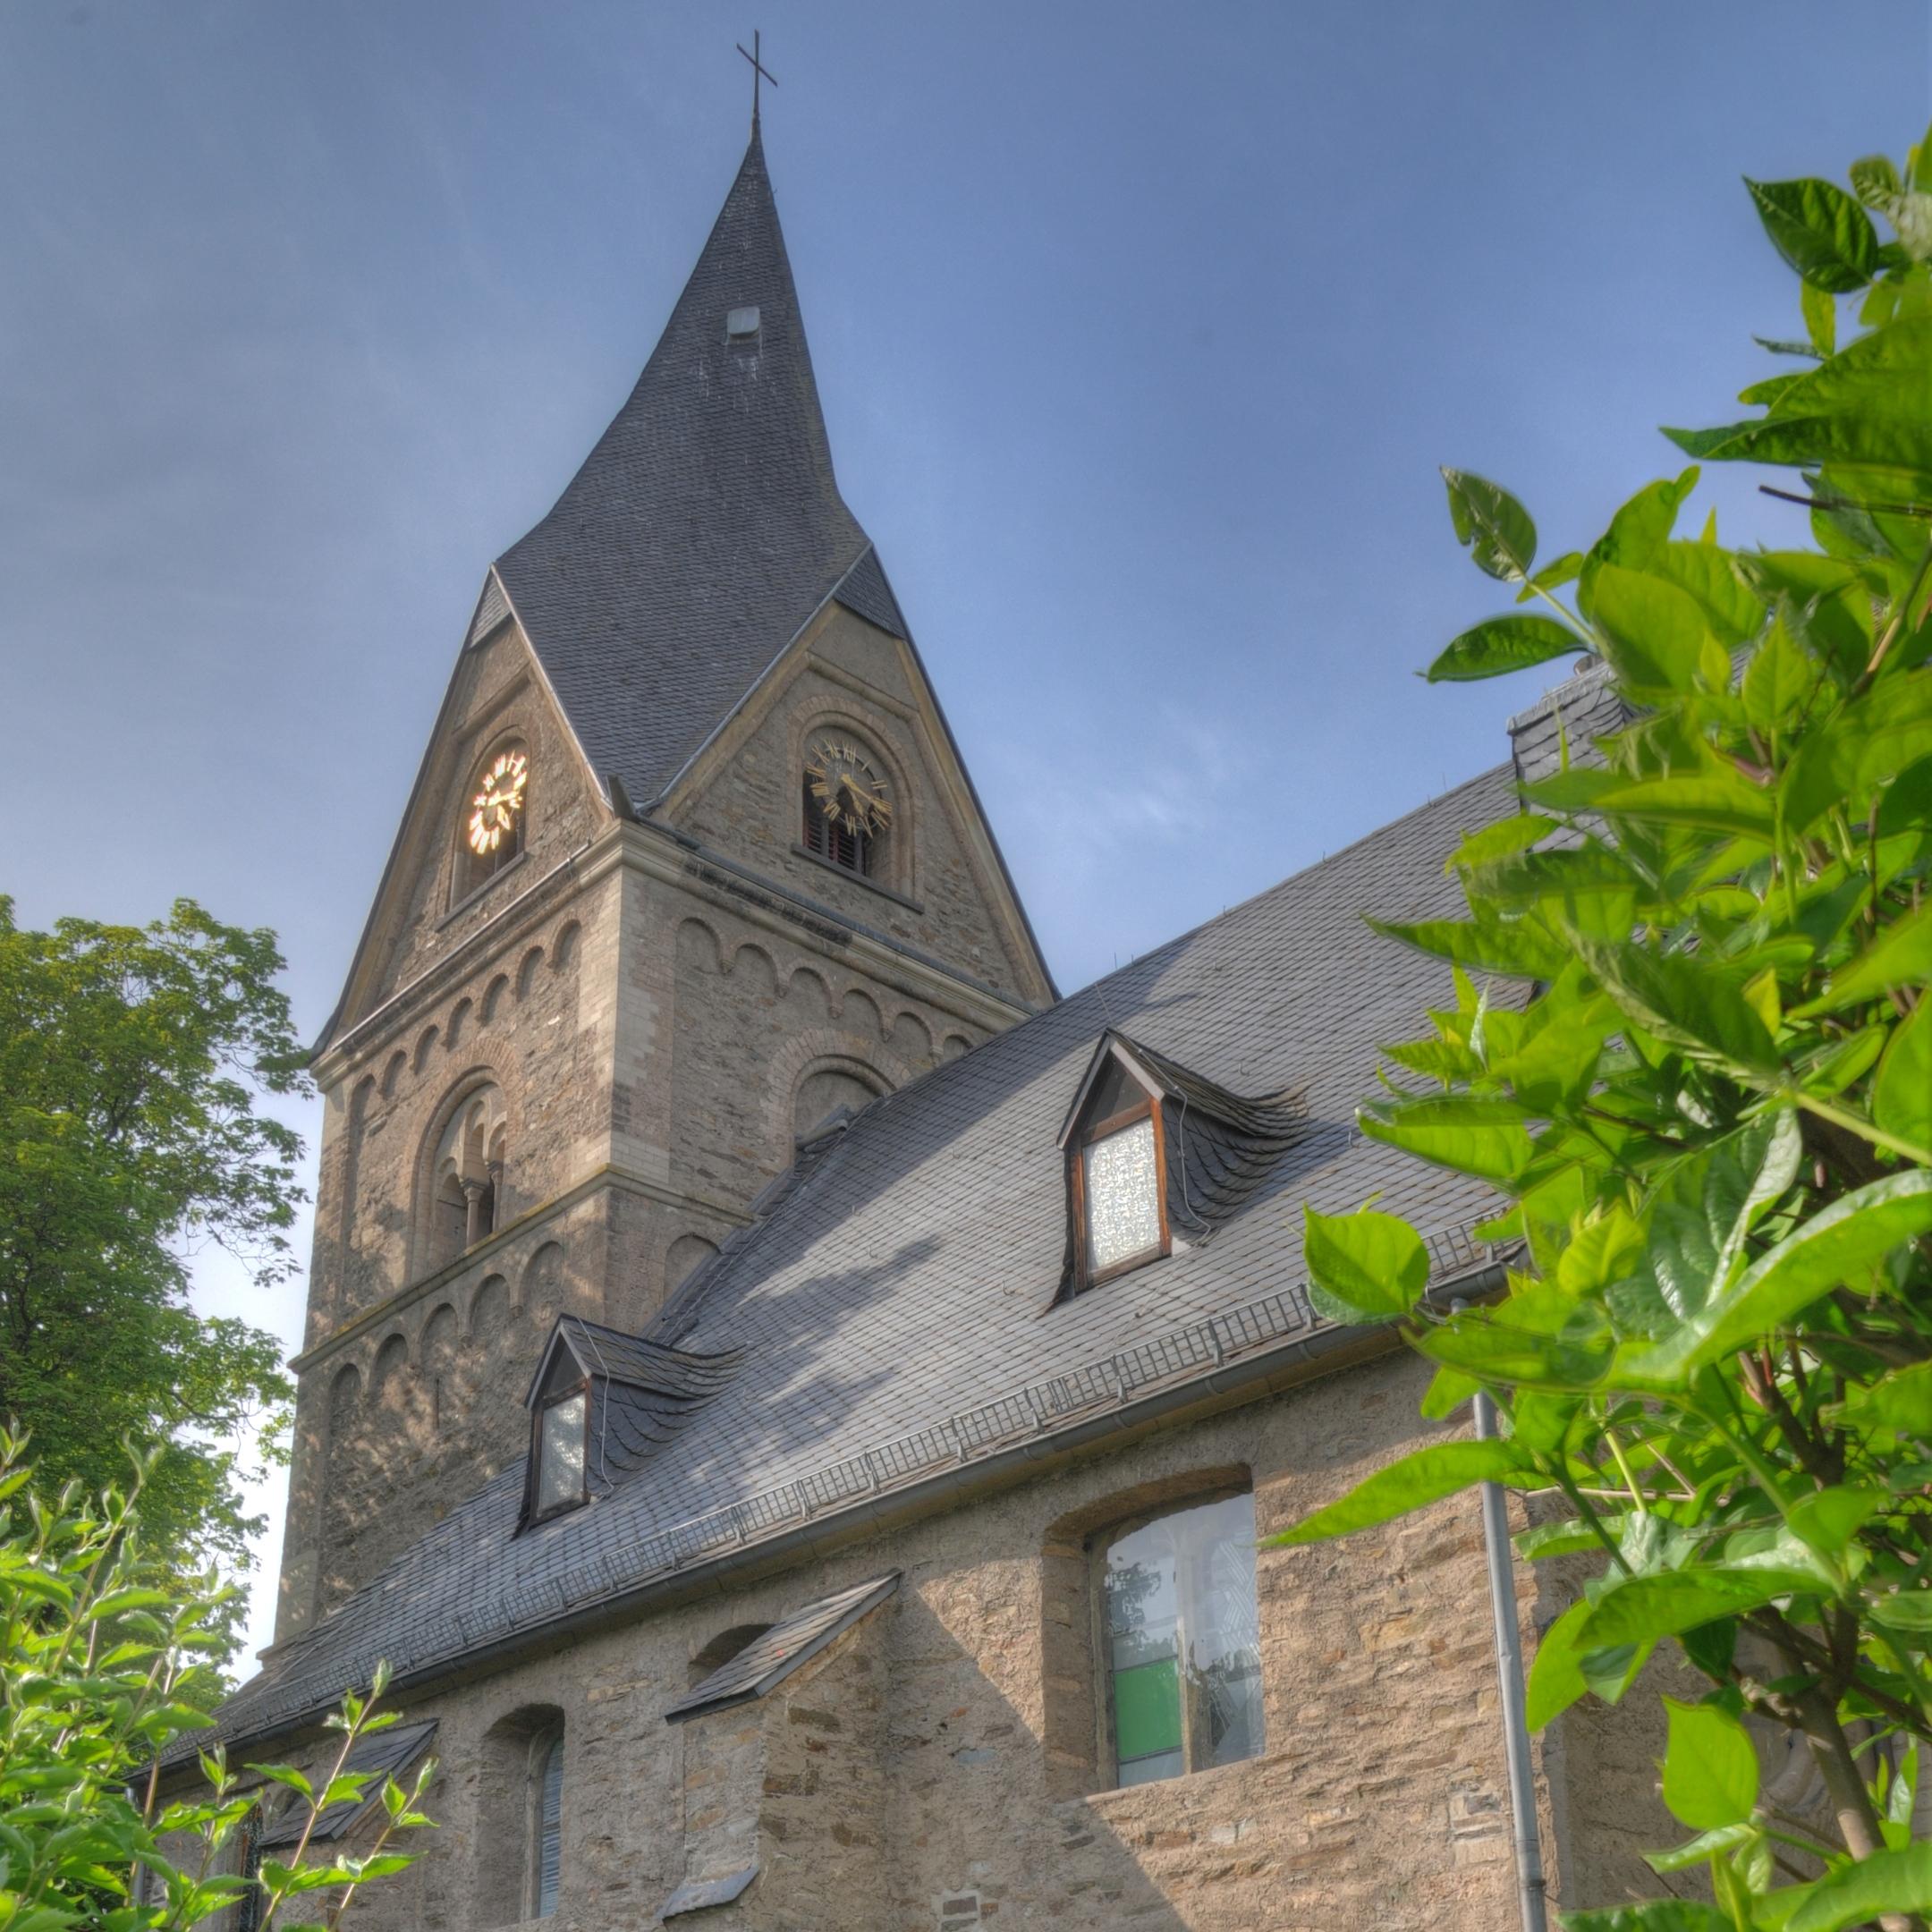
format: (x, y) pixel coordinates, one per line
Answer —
(816, 1046)
(888, 858)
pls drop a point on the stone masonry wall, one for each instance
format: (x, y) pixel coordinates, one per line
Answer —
(852, 684)
(1379, 1798)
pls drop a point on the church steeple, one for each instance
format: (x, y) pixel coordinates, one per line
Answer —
(706, 527)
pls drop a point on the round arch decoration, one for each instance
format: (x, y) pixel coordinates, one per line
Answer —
(463, 1150)
(828, 1046)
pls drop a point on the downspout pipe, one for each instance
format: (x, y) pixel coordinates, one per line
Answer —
(1529, 1879)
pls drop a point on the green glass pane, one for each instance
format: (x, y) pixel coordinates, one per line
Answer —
(1147, 1709)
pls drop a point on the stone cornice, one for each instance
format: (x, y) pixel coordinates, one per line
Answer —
(669, 856)
(623, 1180)
(660, 853)
(398, 1012)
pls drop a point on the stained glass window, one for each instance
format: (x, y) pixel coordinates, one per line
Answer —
(1183, 1642)
(1122, 1193)
(560, 1454)
(550, 1827)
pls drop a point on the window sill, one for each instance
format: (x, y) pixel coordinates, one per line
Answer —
(857, 878)
(1127, 1794)
(477, 892)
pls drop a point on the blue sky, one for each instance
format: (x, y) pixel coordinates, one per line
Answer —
(1140, 332)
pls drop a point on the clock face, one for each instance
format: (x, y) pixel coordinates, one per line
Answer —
(493, 812)
(847, 790)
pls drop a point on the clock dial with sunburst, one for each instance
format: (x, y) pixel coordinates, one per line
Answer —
(845, 787)
(493, 812)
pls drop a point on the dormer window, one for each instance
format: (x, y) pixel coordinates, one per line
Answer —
(1151, 1145)
(1116, 1152)
(561, 1440)
(601, 1403)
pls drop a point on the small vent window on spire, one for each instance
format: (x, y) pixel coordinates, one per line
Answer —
(742, 324)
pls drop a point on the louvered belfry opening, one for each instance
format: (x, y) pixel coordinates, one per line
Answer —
(835, 840)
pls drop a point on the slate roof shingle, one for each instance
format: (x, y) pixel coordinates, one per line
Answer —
(706, 526)
(902, 1275)
(766, 1662)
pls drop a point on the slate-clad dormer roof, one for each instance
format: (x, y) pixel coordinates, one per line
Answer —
(706, 527)
(1220, 1146)
(642, 1392)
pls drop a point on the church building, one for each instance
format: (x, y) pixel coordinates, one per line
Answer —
(794, 1398)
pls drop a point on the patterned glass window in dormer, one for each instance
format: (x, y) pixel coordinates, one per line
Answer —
(1123, 1196)
(560, 1453)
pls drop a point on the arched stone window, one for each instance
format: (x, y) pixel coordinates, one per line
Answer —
(492, 817)
(466, 1177)
(1150, 1634)
(521, 1841)
(1181, 1641)
(830, 1084)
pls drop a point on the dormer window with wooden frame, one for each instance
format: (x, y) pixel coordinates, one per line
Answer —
(558, 1476)
(1152, 1147)
(1115, 1143)
(601, 1404)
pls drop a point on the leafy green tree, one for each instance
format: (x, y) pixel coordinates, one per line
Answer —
(103, 1664)
(1692, 1045)
(131, 1062)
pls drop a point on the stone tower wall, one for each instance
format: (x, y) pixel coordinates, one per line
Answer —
(648, 1021)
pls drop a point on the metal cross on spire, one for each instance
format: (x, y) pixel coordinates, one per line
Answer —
(759, 73)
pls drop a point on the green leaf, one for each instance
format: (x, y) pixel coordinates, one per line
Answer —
(1474, 1137)
(1821, 318)
(1861, 409)
(1843, 1243)
(1501, 840)
(1901, 1400)
(1636, 535)
(1906, 1610)
(1705, 573)
(1826, 1521)
(1777, 680)
(1710, 1767)
(1875, 181)
(1499, 645)
(1867, 744)
(1884, 1882)
(1663, 1915)
(1906, 803)
(1684, 1000)
(1423, 1476)
(1900, 956)
(1644, 1609)
(1554, 575)
(1820, 230)
(1655, 632)
(1705, 1846)
(1491, 525)
(1718, 798)
(1557, 1678)
(1486, 944)
(1902, 1094)
(1369, 1267)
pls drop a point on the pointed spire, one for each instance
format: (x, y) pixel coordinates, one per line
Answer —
(706, 527)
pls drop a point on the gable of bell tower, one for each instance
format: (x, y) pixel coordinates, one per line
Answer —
(692, 864)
